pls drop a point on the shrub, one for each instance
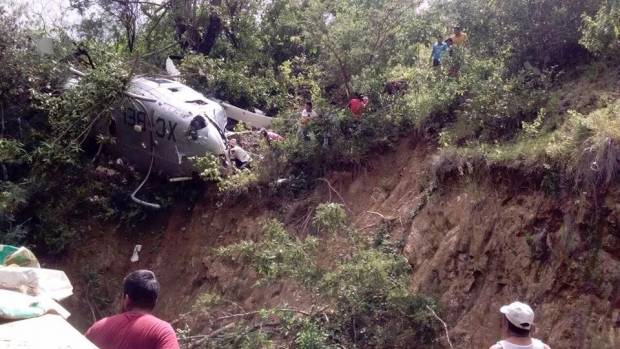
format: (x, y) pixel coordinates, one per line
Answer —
(330, 217)
(277, 255)
(205, 301)
(207, 166)
(368, 290)
(600, 33)
(237, 183)
(312, 336)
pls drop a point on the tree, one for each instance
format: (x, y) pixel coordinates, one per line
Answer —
(353, 36)
(543, 32)
(601, 33)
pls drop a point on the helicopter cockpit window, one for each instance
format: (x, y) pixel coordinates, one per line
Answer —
(197, 123)
(160, 81)
(173, 89)
(197, 101)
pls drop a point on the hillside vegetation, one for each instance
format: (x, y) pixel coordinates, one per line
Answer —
(533, 93)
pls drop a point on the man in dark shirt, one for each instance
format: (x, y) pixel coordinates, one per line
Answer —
(135, 327)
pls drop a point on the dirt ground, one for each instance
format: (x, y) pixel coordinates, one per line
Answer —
(473, 244)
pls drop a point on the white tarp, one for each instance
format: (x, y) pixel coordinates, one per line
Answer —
(36, 282)
(47, 331)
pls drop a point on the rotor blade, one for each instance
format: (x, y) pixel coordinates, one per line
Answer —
(171, 69)
(252, 119)
(77, 72)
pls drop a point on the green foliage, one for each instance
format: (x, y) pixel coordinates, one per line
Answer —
(207, 166)
(544, 32)
(95, 291)
(277, 255)
(373, 287)
(254, 340)
(12, 197)
(206, 301)
(368, 289)
(234, 81)
(601, 32)
(74, 114)
(353, 36)
(531, 129)
(330, 217)
(12, 151)
(237, 183)
(496, 104)
(312, 336)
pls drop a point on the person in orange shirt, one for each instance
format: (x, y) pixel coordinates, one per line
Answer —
(459, 38)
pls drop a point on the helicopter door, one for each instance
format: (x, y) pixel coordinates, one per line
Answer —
(133, 134)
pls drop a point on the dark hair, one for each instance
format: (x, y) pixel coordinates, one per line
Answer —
(516, 331)
(142, 288)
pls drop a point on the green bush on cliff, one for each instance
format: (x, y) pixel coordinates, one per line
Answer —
(365, 292)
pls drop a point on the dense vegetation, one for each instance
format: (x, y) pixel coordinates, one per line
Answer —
(501, 106)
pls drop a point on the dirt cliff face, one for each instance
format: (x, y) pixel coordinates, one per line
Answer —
(474, 243)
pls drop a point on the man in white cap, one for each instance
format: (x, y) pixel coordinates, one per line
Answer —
(518, 322)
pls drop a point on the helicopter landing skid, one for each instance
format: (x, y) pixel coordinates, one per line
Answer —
(179, 179)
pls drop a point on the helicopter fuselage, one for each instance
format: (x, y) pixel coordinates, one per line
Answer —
(162, 123)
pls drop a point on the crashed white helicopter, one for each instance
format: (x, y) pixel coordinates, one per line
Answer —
(161, 123)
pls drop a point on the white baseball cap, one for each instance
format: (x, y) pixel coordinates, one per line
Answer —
(519, 314)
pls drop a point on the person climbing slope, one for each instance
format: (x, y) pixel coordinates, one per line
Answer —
(457, 54)
(357, 105)
(307, 114)
(270, 136)
(239, 155)
(135, 327)
(438, 50)
(517, 323)
(459, 38)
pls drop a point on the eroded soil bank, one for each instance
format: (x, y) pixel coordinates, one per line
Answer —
(474, 243)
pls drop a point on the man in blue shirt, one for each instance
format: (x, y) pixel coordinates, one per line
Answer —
(438, 49)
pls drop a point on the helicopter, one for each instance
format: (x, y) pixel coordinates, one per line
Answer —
(161, 123)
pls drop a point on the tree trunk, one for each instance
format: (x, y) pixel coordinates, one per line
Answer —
(212, 32)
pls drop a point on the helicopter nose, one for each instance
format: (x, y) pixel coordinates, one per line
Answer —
(214, 139)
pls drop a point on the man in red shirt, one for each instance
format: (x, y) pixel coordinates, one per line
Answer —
(356, 105)
(135, 327)
(271, 136)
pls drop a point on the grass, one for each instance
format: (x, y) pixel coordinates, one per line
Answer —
(569, 144)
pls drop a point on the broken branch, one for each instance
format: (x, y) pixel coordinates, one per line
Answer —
(259, 311)
(445, 326)
(329, 185)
